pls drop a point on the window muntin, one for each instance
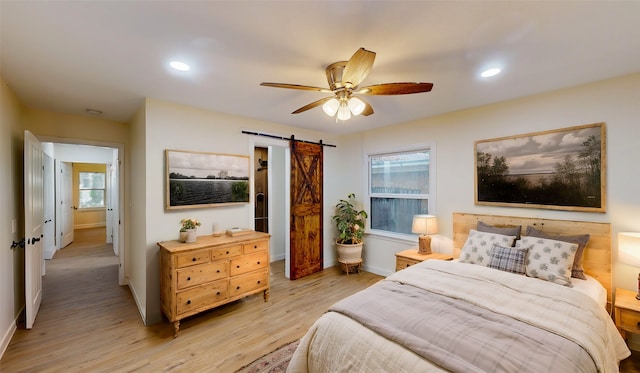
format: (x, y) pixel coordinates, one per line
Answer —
(398, 189)
(91, 189)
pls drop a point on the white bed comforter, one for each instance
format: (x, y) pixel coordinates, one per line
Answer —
(336, 343)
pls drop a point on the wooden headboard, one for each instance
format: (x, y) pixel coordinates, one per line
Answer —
(597, 254)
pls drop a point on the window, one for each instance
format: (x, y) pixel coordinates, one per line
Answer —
(399, 187)
(91, 189)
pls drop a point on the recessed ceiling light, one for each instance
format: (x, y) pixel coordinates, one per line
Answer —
(490, 72)
(180, 66)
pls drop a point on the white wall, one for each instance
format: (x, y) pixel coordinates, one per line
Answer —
(11, 214)
(179, 127)
(614, 101)
(82, 153)
(136, 253)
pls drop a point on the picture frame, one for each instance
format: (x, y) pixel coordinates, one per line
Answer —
(200, 179)
(561, 169)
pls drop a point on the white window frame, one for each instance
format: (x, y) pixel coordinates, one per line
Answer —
(431, 196)
(104, 190)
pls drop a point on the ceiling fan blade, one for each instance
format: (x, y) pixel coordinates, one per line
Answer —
(312, 105)
(358, 67)
(395, 88)
(368, 109)
(296, 86)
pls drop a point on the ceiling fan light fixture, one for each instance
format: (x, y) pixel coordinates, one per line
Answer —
(343, 112)
(331, 107)
(356, 105)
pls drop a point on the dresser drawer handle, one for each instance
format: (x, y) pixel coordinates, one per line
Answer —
(189, 301)
(238, 288)
(193, 259)
(259, 282)
(237, 266)
(218, 271)
(218, 293)
(255, 246)
(227, 252)
(258, 262)
(188, 278)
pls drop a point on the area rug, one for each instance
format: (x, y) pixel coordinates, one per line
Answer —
(275, 361)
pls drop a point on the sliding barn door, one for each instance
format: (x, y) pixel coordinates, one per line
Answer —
(306, 209)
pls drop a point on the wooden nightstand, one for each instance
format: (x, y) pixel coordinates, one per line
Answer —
(627, 312)
(410, 257)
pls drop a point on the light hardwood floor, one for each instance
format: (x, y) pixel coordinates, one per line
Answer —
(87, 323)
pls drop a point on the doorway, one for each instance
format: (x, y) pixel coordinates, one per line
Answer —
(261, 189)
(66, 153)
(273, 210)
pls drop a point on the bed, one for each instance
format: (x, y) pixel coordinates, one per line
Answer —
(469, 316)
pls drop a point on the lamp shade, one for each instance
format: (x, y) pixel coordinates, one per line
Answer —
(629, 248)
(424, 224)
(331, 107)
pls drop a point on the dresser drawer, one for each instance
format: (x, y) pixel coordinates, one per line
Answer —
(255, 246)
(226, 252)
(248, 263)
(201, 296)
(196, 275)
(629, 320)
(248, 282)
(192, 258)
(402, 263)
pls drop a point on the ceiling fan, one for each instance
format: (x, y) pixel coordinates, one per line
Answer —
(344, 77)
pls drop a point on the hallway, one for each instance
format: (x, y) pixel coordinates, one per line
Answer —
(82, 313)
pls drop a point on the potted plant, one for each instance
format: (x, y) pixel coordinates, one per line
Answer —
(188, 230)
(350, 223)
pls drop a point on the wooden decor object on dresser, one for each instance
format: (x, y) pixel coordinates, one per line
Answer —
(210, 272)
(409, 257)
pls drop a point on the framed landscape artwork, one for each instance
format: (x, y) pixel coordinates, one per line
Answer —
(561, 169)
(197, 179)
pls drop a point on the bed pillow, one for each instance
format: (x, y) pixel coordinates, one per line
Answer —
(577, 270)
(509, 259)
(476, 248)
(549, 260)
(507, 230)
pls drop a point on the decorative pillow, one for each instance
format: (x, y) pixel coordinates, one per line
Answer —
(507, 230)
(549, 260)
(509, 259)
(576, 270)
(476, 248)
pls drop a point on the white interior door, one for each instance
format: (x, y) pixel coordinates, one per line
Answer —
(49, 239)
(33, 222)
(66, 203)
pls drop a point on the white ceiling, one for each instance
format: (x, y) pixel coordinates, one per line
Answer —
(67, 56)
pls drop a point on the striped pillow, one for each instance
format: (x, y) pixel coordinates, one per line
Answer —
(509, 259)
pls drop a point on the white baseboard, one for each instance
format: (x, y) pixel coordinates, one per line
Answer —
(48, 253)
(6, 337)
(377, 271)
(275, 258)
(137, 300)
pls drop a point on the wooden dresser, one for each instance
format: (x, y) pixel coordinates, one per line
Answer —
(210, 272)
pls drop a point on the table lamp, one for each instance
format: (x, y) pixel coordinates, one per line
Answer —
(629, 251)
(424, 225)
